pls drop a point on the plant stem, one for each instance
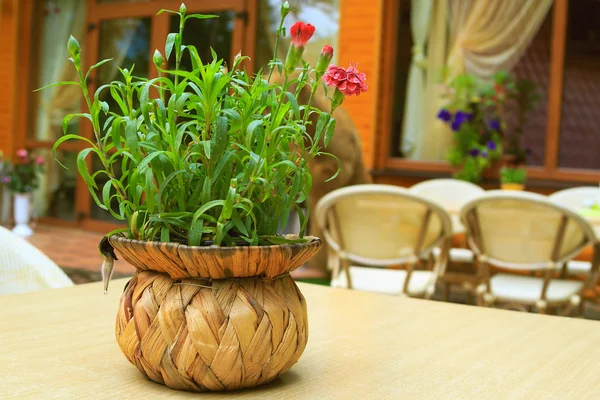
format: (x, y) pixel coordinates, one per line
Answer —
(274, 60)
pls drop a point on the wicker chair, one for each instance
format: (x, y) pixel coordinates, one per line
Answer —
(23, 268)
(452, 195)
(525, 232)
(370, 226)
(575, 199)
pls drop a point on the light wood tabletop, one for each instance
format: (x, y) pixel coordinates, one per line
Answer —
(60, 344)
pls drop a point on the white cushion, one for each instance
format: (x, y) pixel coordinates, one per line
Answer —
(456, 254)
(579, 267)
(382, 280)
(528, 289)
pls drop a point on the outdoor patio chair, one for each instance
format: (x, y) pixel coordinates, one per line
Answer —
(522, 233)
(576, 199)
(370, 227)
(452, 195)
(23, 268)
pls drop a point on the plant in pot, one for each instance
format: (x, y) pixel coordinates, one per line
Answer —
(22, 178)
(212, 162)
(512, 178)
(475, 118)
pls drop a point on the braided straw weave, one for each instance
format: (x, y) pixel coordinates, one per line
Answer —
(181, 261)
(204, 334)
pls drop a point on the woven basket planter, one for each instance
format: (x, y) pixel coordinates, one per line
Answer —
(200, 333)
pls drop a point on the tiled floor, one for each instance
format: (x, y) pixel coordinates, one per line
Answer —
(75, 251)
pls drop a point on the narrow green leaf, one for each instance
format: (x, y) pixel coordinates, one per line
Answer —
(65, 83)
(329, 133)
(294, 103)
(321, 124)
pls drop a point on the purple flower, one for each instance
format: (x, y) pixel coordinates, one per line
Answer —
(484, 154)
(456, 124)
(463, 116)
(474, 152)
(444, 115)
(491, 145)
(5, 179)
(494, 125)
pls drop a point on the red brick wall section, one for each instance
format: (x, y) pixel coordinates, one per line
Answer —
(8, 10)
(359, 39)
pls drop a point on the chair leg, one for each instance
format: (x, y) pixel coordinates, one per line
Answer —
(446, 291)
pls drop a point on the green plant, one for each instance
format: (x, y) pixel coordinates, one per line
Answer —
(209, 156)
(473, 112)
(477, 112)
(23, 175)
(513, 175)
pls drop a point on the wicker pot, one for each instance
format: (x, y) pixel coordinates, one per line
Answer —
(195, 318)
(512, 186)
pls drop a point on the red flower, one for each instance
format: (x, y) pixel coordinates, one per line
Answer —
(301, 33)
(348, 81)
(327, 51)
(39, 160)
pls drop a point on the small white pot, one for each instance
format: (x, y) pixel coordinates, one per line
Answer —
(22, 210)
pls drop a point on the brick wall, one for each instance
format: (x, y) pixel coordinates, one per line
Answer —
(359, 35)
(8, 9)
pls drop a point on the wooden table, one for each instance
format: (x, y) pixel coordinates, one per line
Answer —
(60, 344)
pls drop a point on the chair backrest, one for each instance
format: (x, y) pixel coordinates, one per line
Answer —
(577, 198)
(23, 268)
(526, 231)
(451, 194)
(381, 225)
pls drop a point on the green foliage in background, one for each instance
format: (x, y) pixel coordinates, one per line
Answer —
(513, 175)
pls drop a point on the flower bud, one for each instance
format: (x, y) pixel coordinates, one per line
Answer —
(301, 33)
(182, 9)
(285, 9)
(158, 59)
(73, 47)
(324, 60)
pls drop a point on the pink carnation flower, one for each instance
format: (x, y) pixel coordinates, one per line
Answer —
(22, 153)
(39, 160)
(348, 81)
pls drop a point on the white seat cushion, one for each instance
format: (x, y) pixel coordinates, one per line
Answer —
(382, 280)
(456, 255)
(528, 289)
(579, 267)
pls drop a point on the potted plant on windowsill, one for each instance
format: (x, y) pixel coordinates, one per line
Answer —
(22, 178)
(512, 178)
(213, 161)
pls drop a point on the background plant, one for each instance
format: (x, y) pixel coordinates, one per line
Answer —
(208, 156)
(513, 175)
(24, 175)
(477, 112)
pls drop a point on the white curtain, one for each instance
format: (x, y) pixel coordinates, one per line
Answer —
(62, 18)
(412, 126)
(492, 35)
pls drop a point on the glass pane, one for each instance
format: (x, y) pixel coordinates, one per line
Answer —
(324, 14)
(204, 34)
(535, 67)
(58, 20)
(127, 40)
(56, 194)
(580, 120)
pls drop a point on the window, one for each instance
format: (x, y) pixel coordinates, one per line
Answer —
(562, 133)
